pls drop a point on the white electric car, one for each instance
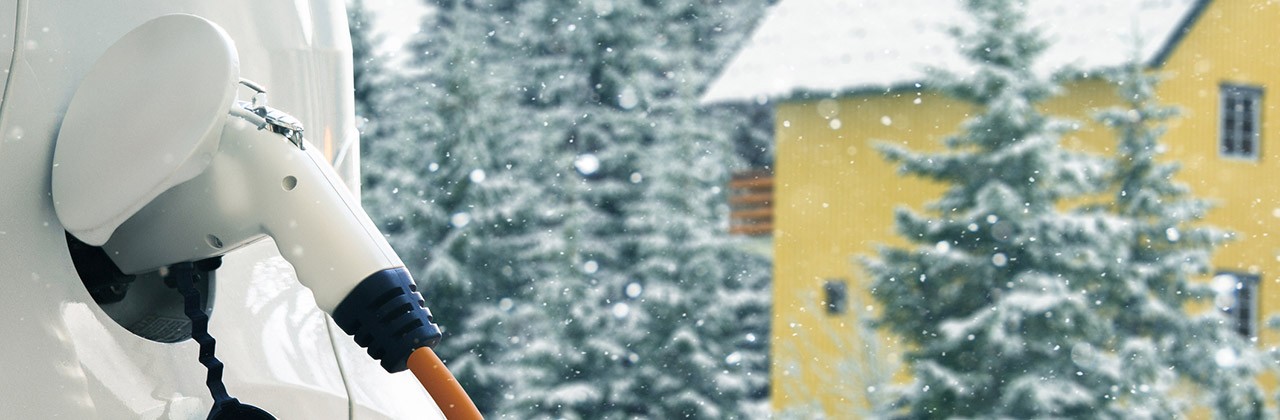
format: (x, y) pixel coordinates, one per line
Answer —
(81, 340)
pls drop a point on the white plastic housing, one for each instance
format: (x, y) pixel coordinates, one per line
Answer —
(156, 163)
(126, 137)
(259, 184)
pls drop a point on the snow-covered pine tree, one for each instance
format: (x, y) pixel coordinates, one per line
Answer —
(1157, 342)
(568, 338)
(650, 312)
(720, 28)
(532, 264)
(450, 186)
(378, 120)
(993, 296)
(679, 224)
(708, 299)
(372, 80)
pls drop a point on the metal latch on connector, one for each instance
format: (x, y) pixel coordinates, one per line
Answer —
(276, 120)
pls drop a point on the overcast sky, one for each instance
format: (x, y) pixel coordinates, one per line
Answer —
(396, 20)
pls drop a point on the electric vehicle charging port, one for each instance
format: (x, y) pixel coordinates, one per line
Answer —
(146, 304)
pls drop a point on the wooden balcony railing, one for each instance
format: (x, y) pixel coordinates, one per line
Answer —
(751, 203)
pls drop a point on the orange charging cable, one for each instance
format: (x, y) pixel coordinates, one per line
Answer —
(446, 390)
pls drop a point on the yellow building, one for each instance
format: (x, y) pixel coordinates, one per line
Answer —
(842, 75)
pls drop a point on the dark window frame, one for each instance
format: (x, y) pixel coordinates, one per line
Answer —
(1243, 311)
(1240, 121)
(835, 296)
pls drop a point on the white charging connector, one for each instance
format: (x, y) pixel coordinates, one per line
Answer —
(260, 184)
(190, 173)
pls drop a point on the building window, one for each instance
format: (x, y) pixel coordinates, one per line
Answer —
(751, 203)
(1237, 297)
(1241, 121)
(837, 296)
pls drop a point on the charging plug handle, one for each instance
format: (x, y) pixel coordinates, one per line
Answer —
(387, 316)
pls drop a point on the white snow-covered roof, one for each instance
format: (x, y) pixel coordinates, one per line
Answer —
(835, 46)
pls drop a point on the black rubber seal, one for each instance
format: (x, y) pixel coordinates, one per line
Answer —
(387, 316)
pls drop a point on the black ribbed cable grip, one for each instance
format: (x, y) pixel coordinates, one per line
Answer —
(387, 316)
(225, 407)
